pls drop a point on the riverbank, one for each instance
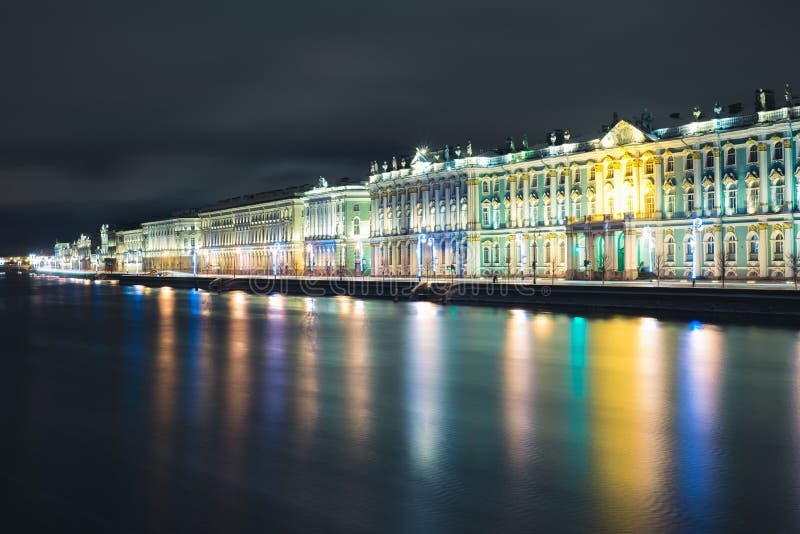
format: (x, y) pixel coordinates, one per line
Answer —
(677, 301)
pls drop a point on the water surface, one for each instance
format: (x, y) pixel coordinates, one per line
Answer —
(157, 410)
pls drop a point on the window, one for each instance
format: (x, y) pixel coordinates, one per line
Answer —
(710, 194)
(629, 201)
(730, 199)
(576, 207)
(777, 153)
(669, 248)
(753, 248)
(777, 194)
(670, 164)
(689, 199)
(356, 226)
(753, 154)
(730, 159)
(547, 252)
(710, 159)
(648, 166)
(709, 249)
(485, 216)
(610, 171)
(496, 258)
(547, 181)
(689, 162)
(356, 208)
(689, 251)
(730, 248)
(752, 198)
(485, 188)
(669, 202)
(592, 173)
(649, 204)
(629, 169)
(562, 179)
(777, 248)
(576, 177)
(610, 204)
(486, 260)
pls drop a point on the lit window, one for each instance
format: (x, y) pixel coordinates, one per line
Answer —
(670, 164)
(753, 154)
(777, 154)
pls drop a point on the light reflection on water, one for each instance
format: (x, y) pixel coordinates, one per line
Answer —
(239, 412)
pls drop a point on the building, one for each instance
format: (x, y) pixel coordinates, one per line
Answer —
(336, 229)
(254, 234)
(712, 196)
(130, 250)
(171, 244)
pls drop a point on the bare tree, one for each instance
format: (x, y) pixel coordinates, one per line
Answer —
(793, 262)
(659, 268)
(722, 262)
(603, 267)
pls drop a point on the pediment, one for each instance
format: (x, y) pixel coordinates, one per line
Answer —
(623, 133)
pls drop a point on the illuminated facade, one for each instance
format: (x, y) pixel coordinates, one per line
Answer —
(336, 229)
(130, 250)
(170, 244)
(256, 234)
(680, 202)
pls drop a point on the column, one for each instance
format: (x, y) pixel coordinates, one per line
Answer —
(414, 222)
(526, 205)
(553, 192)
(788, 179)
(763, 248)
(763, 179)
(437, 222)
(570, 255)
(698, 185)
(425, 223)
(637, 184)
(589, 243)
(447, 224)
(658, 183)
(631, 257)
(512, 184)
(789, 248)
(718, 198)
(456, 224)
(473, 256)
(719, 249)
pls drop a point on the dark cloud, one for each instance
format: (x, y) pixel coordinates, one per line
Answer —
(112, 112)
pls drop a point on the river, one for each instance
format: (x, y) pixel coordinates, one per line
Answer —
(160, 410)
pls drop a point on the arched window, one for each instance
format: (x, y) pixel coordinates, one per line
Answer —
(689, 161)
(752, 156)
(562, 179)
(486, 258)
(777, 153)
(547, 252)
(669, 248)
(730, 248)
(592, 173)
(670, 164)
(710, 196)
(777, 193)
(709, 246)
(648, 166)
(777, 247)
(689, 248)
(710, 159)
(576, 177)
(669, 201)
(752, 197)
(496, 258)
(629, 169)
(731, 157)
(508, 252)
(485, 187)
(731, 199)
(752, 247)
(609, 171)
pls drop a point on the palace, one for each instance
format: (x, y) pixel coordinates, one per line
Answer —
(709, 198)
(690, 201)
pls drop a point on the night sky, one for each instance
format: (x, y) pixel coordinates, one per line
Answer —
(116, 114)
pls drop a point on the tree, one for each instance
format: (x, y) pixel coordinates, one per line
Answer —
(722, 262)
(659, 268)
(603, 267)
(793, 262)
